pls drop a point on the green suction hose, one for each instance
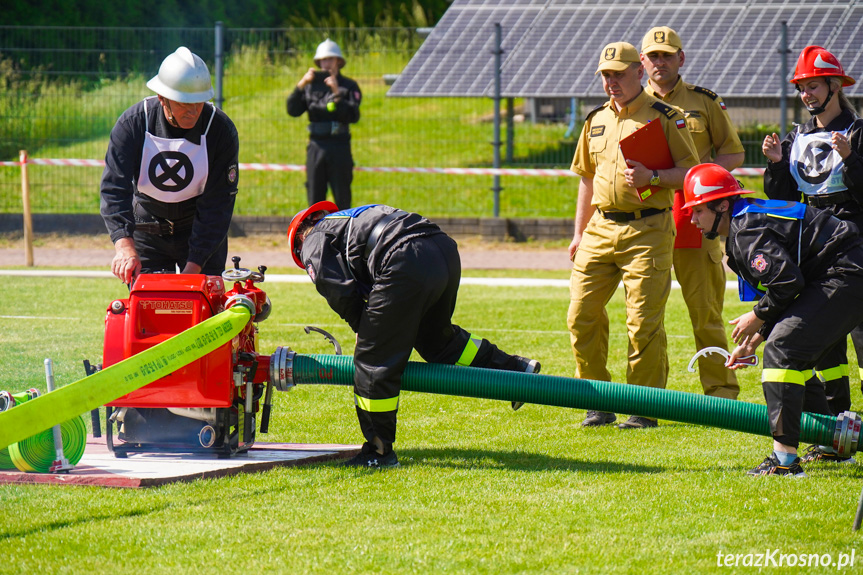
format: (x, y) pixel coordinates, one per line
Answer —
(576, 393)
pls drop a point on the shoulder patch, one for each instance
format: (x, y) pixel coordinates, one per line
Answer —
(710, 93)
(595, 110)
(664, 109)
(233, 174)
(759, 263)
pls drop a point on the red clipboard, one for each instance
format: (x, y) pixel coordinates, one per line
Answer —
(648, 146)
(688, 236)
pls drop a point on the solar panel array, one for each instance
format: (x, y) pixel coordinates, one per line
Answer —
(551, 47)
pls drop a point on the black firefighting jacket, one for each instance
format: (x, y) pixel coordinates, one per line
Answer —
(344, 264)
(209, 214)
(315, 97)
(781, 246)
(779, 184)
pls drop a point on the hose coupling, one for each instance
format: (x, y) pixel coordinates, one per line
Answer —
(847, 434)
(282, 368)
(207, 436)
(243, 300)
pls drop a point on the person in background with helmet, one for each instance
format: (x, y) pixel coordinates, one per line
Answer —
(821, 162)
(333, 103)
(170, 179)
(619, 237)
(804, 269)
(393, 276)
(698, 262)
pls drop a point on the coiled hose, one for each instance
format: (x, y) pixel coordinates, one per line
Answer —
(8, 401)
(572, 392)
(37, 452)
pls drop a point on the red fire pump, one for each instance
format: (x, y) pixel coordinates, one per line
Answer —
(209, 405)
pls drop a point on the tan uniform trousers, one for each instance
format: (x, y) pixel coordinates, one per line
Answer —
(701, 276)
(639, 253)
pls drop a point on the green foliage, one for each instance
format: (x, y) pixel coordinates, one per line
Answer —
(481, 489)
(246, 14)
(752, 135)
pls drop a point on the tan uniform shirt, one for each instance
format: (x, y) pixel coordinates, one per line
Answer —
(598, 154)
(706, 118)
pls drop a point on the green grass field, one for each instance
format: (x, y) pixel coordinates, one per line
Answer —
(481, 489)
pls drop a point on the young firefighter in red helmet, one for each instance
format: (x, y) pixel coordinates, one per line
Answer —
(803, 267)
(394, 277)
(821, 162)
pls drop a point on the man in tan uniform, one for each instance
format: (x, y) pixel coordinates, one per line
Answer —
(697, 261)
(617, 236)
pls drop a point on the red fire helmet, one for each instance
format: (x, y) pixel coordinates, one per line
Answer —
(316, 211)
(816, 61)
(707, 182)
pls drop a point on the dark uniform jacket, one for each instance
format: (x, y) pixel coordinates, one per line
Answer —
(781, 253)
(315, 96)
(779, 184)
(337, 258)
(209, 214)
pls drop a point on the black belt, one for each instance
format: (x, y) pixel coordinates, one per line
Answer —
(824, 200)
(328, 128)
(621, 217)
(377, 231)
(164, 228)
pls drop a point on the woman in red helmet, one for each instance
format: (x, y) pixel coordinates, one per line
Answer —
(821, 163)
(804, 269)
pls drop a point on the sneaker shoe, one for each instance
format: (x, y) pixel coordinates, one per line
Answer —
(530, 366)
(770, 466)
(597, 418)
(817, 453)
(369, 458)
(637, 422)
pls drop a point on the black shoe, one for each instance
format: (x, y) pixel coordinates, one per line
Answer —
(528, 366)
(597, 418)
(770, 466)
(817, 453)
(637, 422)
(369, 458)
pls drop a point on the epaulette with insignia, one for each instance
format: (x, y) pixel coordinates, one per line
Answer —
(595, 110)
(664, 109)
(713, 95)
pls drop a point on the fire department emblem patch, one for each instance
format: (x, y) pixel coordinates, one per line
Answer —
(759, 263)
(310, 269)
(232, 174)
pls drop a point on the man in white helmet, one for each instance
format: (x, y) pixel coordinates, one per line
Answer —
(333, 103)
(170, 179)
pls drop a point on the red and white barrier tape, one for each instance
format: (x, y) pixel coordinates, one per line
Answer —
(379, 169)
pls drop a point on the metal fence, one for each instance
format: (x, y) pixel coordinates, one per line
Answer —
(63, 89)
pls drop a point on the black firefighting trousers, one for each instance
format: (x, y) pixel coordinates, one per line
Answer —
(165, 254)
(329, 162)
(411, 306)
(818, 321)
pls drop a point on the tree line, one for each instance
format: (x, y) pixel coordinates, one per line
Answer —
(205, 13)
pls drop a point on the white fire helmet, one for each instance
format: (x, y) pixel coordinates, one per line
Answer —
(328, 49)
(183, 77)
